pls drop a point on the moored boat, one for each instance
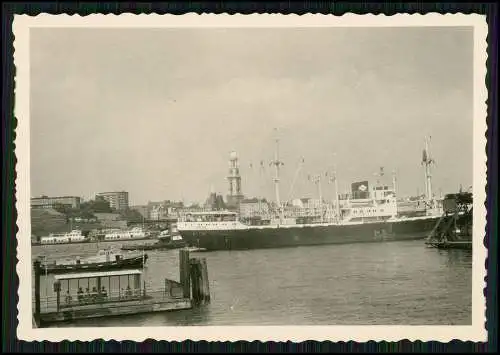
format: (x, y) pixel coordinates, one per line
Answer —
(75, 236)
(135, 233)
(175, 243)
(105, 260)
(167, 239)
(365, 216)
(232, 234)
(454, 228)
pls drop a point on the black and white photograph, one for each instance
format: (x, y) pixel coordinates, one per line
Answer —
(231, 177)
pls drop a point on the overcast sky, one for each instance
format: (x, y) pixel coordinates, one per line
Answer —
(156, 112)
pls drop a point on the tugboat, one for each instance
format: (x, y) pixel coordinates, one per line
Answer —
(105, 260)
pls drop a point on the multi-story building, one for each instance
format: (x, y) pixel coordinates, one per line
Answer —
(50, 202)
(164, 209)
(117, 199)
(158, 212)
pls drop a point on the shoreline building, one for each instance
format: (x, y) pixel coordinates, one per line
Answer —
(215, 202)
(163, 210)
(235, 195)
(50, 202)
(117, 199)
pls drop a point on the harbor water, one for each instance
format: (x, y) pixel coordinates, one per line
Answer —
(393, 283)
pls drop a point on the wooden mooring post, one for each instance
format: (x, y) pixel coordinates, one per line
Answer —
(184, 273)
(199, 279)
(38, 272)
(194, 278)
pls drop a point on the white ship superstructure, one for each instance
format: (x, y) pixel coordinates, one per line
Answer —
(210, 220)
(74, 236)
(133, 234)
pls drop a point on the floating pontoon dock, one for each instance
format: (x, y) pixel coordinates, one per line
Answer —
(121, 292)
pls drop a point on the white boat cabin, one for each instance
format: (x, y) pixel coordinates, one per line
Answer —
(62, 238)
(134, 233)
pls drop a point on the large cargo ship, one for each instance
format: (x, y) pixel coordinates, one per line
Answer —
(365, 215)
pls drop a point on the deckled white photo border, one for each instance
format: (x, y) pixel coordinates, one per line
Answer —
(25, 331)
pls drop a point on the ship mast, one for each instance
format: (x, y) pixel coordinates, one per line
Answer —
(317, 181)
(277, 163)
(337, 204)
(394, 182)
(427, 161)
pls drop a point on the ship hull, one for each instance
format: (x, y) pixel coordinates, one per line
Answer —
(272, 237)
(464, 245)
(156, 246)
(130, 263)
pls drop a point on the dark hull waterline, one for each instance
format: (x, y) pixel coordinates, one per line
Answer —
(464, 245)
(260, 238)
(156, 246)
(130, 263)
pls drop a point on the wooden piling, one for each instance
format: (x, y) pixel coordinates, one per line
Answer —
(194, 273)
(205, 287)
(199, 279)
(184, 271)
(57, 289)
(38, 271)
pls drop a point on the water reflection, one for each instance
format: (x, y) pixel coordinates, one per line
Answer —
(456, 257)
(197, 316)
